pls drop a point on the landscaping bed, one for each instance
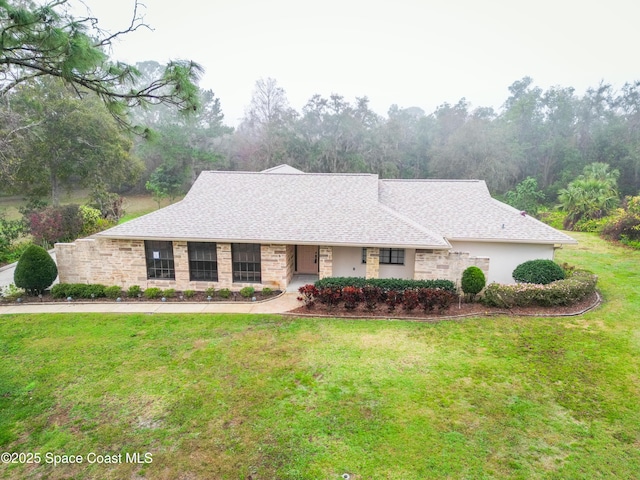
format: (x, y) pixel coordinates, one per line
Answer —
(176, 296)
(458, 310)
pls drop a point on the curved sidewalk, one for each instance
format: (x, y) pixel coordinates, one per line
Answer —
(283, 303)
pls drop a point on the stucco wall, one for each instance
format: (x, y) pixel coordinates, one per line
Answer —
(347, 262)
(400, 271)
(505, 257)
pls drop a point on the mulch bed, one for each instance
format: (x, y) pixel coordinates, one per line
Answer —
(455, 311)
(198, 297)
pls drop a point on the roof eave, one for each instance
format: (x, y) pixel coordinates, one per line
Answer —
(568, 241)
(277, 242)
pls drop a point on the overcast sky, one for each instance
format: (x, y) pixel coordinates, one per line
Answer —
(408, 52)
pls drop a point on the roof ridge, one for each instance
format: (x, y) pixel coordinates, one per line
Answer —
(443, 180)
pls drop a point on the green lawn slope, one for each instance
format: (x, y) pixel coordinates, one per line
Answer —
(265, 397)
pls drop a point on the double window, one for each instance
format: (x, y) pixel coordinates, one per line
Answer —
(388, 256)
(203, 261)
(159, 260)
(246, 262)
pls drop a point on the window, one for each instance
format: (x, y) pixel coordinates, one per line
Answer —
(392, 256)
(159, 260)
(203, 261)
(246, 262)
(388, 256)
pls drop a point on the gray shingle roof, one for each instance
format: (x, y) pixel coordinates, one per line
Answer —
(465, 210)
(284, 205)
(289, 208)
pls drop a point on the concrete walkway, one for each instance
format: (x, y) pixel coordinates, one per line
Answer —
(283, 303)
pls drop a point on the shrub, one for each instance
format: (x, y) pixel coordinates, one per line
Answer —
(560, 292)
(266, 291)
(592, 225)
(385, 284)
(78, 290)
(189, 293)
(11, 292)
(410, 300)
(55, 224)
(110, 205)
(134, 291)
(351, 296)
(330, 296)
(555, 218)
(624, 225)
(210, 292)
(538, 271)
(153, 292)
(308, 295)
(432, 298)
(90, 220)
(371, 296)
(113, 292)
(224, 293)
(13, 252)
(36, 270)
(393, 298)
(473, 281)
(247, 292)
(169, 293)
(10, 231)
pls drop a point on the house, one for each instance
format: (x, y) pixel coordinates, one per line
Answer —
(235, 229)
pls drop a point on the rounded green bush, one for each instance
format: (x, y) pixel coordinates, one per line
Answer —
(473, 280)
(247, 292)
(35, 271)
(113, 292)
(538, 271)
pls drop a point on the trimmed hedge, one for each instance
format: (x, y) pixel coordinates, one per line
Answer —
(558, 293)
(385, 284)
(538, 271)
(78, 290)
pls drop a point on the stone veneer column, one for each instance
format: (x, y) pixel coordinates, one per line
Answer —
(225, 265)
(273, 260)
(326, 262)
(373, 262)
(181, 265)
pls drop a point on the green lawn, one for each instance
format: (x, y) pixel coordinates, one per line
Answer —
(265, 397)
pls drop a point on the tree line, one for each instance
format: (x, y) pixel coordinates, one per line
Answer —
(71, 117)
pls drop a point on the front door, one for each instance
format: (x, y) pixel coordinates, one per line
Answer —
(307, 259)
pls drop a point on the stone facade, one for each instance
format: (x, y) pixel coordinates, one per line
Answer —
(326, 262)
(373, 262)
(277, 266)
(446, 265)
(123, 263)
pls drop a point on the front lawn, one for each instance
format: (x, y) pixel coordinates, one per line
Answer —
(264, 397)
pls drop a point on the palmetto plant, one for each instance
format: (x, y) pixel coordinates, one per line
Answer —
(592, 195)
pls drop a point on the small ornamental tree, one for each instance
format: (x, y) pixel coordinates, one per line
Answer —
(473, 281)
(35, 271)
(538, 271)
